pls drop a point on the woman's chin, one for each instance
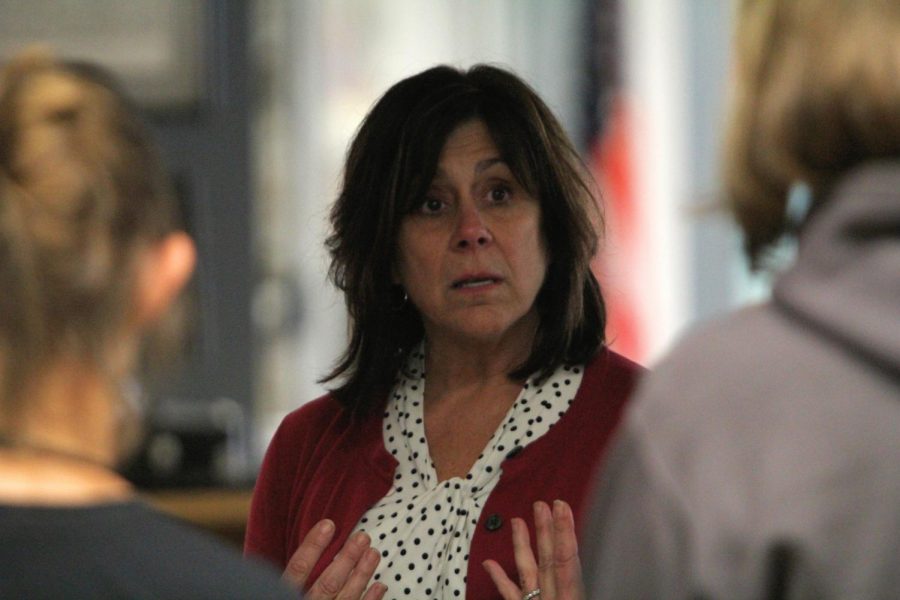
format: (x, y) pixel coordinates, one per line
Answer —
(487, 326)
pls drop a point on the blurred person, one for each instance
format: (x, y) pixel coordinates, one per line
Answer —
(91, 262)
(476, 379)
(762, 457)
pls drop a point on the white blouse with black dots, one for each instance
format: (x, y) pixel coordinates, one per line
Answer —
(423, 527)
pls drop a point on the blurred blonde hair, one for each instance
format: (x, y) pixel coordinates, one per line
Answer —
(817, 91)
(81, 189)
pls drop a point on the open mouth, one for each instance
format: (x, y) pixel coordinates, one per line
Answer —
(474, 282)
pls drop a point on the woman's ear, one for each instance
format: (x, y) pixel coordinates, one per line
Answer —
(163, 270)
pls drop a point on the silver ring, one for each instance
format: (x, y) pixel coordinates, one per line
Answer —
(532, 594)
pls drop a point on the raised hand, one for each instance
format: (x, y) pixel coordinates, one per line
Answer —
(556, 574)
(348, 574)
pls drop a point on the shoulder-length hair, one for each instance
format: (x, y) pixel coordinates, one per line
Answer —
(390, 165)
(817, 92)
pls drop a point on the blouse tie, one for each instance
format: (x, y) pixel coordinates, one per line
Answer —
(422, 527)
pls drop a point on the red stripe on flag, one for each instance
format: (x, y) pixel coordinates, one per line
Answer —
(618, 263)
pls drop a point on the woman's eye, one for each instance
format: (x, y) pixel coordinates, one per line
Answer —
(431, 205)
(499, 194)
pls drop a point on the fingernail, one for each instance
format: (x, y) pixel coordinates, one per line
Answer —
(361, 538)
(326, 526)
(382, 588)
(372, 556)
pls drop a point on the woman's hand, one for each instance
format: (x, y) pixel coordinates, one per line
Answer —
(348, 574)
(556, 575)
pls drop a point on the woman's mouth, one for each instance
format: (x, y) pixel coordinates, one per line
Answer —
(474, 282)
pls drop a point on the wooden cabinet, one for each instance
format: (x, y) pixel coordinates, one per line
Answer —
(222, 512)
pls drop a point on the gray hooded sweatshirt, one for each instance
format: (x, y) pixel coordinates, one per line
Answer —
(761, 458)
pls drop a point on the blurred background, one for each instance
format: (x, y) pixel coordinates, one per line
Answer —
(254, 103)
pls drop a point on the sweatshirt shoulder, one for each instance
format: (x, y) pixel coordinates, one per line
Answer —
(738, 364)
(736, 341)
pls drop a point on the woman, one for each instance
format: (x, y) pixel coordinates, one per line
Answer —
(762, 457)
(91, 260)
(462, 241)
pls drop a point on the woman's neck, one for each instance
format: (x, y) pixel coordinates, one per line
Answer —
(59, 448)
(37, 476)
(467, 394)
(452, 362)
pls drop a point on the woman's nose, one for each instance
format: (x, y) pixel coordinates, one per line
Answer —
(471, 230)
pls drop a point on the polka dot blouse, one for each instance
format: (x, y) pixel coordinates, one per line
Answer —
(422, 527)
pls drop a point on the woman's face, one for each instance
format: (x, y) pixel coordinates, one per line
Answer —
(472, 255)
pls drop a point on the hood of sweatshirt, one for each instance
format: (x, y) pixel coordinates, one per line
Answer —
(845, 283)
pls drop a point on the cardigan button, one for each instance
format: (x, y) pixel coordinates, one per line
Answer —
(493, 522)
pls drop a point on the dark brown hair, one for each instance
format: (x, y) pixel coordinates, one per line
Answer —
(817, 92)
(390, 165)
(81, 190)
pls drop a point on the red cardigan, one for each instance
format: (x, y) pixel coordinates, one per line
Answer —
(325, 462)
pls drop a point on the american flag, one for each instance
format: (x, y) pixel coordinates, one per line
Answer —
(608, 143)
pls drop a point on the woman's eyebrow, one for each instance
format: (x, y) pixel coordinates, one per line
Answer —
(483, 165)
